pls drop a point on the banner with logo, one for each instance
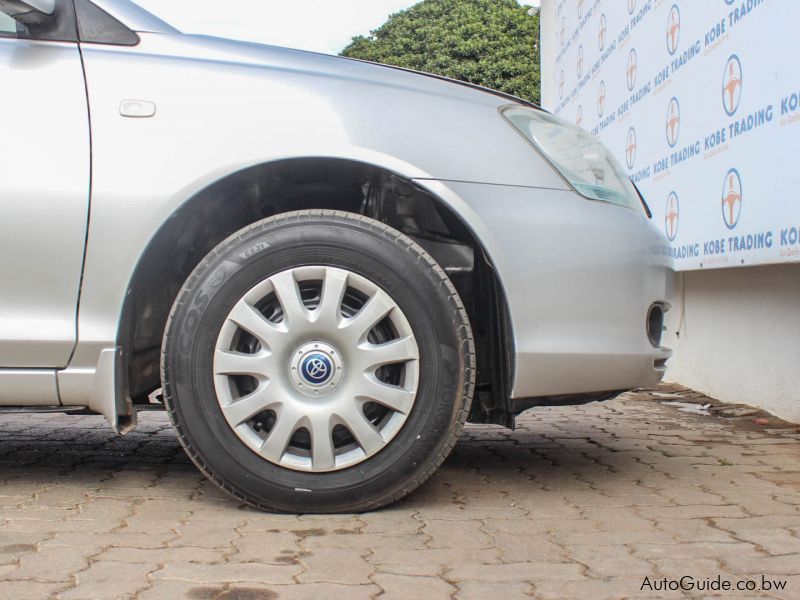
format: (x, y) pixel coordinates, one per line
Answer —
(700, 100)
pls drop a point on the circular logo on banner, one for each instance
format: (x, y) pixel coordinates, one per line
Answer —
(561, 85)
(732, 199)
(580, 9)
(601, 35)
(673, 29)
(601, 99)
(633, 65)
(673, 122)
(732, 85)
(579, 116)
(630, 148)
(563, 29)
(631, 6)
(672, 216)
(580, 61)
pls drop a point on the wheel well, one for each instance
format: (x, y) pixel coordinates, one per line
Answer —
(266, 190)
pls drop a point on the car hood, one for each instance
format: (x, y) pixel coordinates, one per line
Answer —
(473, 86)
(249, 54)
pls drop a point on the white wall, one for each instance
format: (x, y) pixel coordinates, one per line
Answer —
(547, 53)
(739, 336)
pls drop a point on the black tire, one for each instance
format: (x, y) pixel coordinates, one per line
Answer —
(368, 248)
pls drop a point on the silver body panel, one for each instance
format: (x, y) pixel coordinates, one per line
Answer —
(28, 387)
(579, 276)
(44, 190)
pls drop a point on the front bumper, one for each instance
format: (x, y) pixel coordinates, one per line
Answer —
(580, 278)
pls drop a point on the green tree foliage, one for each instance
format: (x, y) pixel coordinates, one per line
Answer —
(487, 42)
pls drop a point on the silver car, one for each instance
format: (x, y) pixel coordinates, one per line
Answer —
(319, 267)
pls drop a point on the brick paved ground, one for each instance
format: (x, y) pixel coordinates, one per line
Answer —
(578, 503)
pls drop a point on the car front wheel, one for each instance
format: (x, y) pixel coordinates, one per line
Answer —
(318, 361)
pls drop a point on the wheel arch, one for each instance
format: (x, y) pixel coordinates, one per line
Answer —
(237, 199)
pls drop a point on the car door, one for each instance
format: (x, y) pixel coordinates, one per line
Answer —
(44, 190)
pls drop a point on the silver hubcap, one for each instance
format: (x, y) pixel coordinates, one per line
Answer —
(316, 369)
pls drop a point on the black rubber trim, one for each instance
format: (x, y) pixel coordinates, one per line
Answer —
(646, 206)
(96, 26)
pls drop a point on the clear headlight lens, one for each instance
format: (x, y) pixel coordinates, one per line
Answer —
(580, 158)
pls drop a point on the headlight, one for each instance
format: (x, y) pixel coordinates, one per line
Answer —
(580, 158)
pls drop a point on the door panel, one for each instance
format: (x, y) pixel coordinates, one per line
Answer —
(44, 199)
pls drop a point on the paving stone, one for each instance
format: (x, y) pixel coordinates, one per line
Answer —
(49, 564)
(534, 526)
(608, 561)
(437, 556)
(773, 541)
(391, 520)
(328, 591)
(526, 548)
(696, 550)
(92, 543)
(456, 534)
(693, 530)
(676, 567)
(162, 555)
(57, 496)
(786, 564)
(193, 531)
(692, 494)
(163, 589)
(611, 588)
(28, 589)
(369, 541)
(266, 547)
(14, 545)
(504, 509)
(510, 572)
(649, 535)
(335, 565)
(403, 587)
(693, 511)
(480, 590)
(762, 522)
(109, 580)
(228, 572)
(56, 525)
(156, 516)
(428, 570)
(615, 518)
